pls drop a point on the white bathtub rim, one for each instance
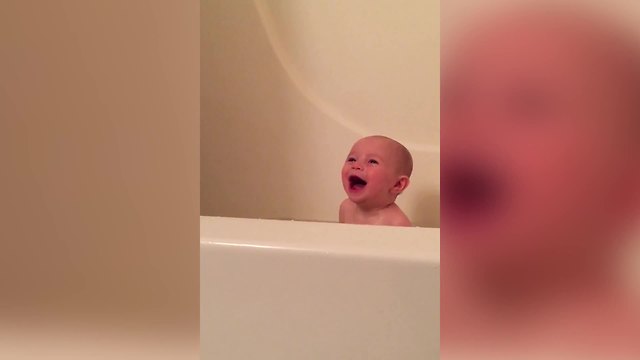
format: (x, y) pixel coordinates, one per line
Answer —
(338, 240)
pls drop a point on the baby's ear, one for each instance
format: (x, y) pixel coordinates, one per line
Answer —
(400, 185)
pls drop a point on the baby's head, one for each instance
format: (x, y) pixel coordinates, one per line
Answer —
(376, 171)
(540, 140)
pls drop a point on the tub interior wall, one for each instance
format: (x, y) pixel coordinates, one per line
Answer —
(307, 290)
(288, 86)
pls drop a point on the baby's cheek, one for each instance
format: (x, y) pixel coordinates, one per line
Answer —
(558, 190)
(344, 171)
(376, 180)
(373, 179)
(540, 182)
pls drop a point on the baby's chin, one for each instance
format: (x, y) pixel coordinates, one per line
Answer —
(369, 201)
(358, 199)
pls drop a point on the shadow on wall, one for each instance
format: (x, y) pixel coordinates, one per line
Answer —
(245, 125)
(427, 210)
(266, 152)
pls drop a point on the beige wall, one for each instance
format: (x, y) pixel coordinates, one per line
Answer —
(287, 86)
(99, 195)
(456, 13)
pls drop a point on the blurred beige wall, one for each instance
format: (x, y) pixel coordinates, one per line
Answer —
(457, 13)
(288, 86)
(99, 202)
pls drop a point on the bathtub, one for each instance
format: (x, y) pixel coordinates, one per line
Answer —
(277, 289)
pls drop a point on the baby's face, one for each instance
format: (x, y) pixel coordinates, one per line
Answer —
(369, 173)
(535, 142)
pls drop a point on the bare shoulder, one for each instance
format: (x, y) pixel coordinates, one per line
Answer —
(346, 204)
(402, 221)
(398, 217)
(345, 207)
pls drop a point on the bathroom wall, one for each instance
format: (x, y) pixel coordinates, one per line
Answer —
(287, 87)
(99, 123)
(456, 13)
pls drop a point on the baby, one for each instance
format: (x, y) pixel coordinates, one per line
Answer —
(540, 176)
(376, 171)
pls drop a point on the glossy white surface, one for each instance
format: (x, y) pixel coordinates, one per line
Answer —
(273, 289)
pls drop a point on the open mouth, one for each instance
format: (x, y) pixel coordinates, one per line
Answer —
(356, 183)
(470, 189)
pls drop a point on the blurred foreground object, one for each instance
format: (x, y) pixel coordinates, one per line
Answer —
(540, 115)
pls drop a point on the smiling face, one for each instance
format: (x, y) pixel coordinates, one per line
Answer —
(537, 140)
(372, 175)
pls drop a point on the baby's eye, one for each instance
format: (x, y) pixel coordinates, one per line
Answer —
(373, 161)
(351, 159)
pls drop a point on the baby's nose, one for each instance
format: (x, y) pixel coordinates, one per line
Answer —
(356, 166)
